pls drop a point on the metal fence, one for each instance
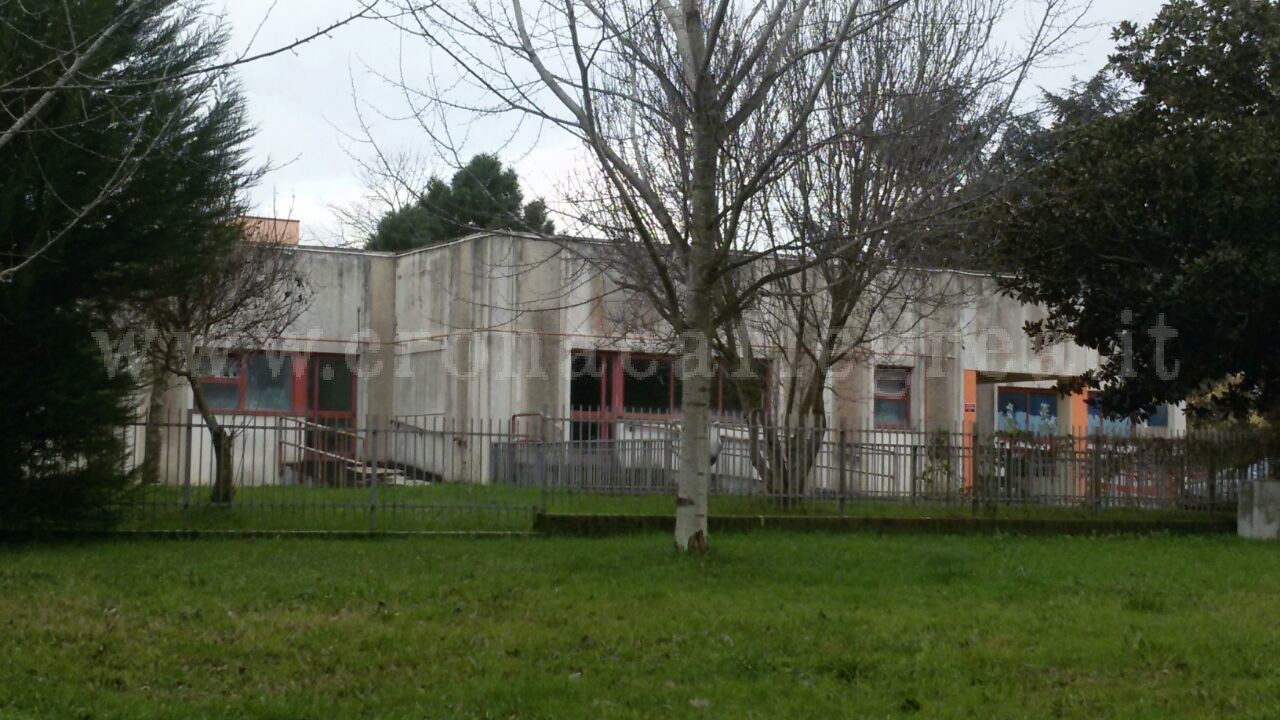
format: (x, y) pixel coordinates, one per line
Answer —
(436, 473)
(838, 468)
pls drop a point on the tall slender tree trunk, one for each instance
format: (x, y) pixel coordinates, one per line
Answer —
(222, 441)
(154, 433)
(155, 420)
(694, 478)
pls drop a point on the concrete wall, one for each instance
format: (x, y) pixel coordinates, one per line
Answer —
(479, 328)
(1259, 510)
(350, 314)
(482, 329)
(339, 317)
(485, 326)
(992, 340)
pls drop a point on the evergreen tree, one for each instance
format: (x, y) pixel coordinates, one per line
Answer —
(125, 184)
(481, 196)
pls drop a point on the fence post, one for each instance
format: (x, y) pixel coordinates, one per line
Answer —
(1006, 492)
(1095, 482)
(1213, 476)
(842, 463)
(373, 474)
(1182, 476)
(975, 468)
(186, 476)
(668, 456)
(915, 476)
(542, 464)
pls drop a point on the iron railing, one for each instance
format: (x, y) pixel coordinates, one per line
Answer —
(438, 473)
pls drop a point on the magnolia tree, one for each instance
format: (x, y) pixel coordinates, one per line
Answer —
(692, 113)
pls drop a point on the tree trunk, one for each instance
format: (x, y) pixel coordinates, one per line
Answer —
(785, 454)
(154, 432)
(222, 441)
(155, 411)
(694, 478)
(223, 487)
(697, 335)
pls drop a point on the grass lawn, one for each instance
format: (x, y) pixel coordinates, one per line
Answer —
(767, 626)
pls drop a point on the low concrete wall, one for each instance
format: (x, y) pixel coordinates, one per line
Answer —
(601, 525)
(1260, 510)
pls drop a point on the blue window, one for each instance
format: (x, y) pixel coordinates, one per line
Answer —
(1123, 425)
(1108, 425)
(1027, 410)
(892, 401)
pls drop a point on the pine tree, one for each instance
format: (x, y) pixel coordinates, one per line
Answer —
(126, 183)
(484, 195)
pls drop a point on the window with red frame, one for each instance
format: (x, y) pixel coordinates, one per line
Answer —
(280, 384)
(1033, 410)
(892, 406)
(640, 385)
(726, 384)
(222, 380)
(331, 384)
(650, 385)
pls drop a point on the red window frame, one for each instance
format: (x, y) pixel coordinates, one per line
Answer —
(1029, 392)
(904, 397)
(596, 418)
(237, 382)
(622, 361)
(723, 385)
(613, 366)
(307, 392)
(303, 385)
(241, 382)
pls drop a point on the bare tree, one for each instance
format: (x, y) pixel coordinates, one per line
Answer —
(389, 182)
(873, 212)
(691, 111)
(248, 301)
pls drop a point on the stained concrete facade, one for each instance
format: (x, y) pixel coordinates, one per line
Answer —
(1259, 513)
(484, 329)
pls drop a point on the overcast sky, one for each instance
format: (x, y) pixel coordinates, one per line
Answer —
(303, 103)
